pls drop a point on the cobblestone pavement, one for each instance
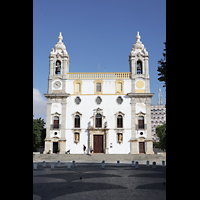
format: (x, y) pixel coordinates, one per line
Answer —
(90, 181)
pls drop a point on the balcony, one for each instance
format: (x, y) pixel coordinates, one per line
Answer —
(99, 75)
(55, 126)
(143, 126)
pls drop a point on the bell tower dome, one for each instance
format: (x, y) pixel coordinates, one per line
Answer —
(58, 65)
(139, 67)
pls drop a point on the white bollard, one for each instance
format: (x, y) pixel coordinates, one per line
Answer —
(43, 164)
(136, 164)
(147, 163)
(133, 163)
(52, 165)
(34, 165)
(58, 164)
(68, 165)
(163, 163)
(103, 164)
(154, 164)
(118, 163)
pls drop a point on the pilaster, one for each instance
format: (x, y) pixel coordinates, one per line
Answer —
(133, 107)
(149, 140)
(133, 140)
(63, 128)
(48, 119)
(134, 146)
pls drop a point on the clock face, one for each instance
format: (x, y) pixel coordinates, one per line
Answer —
(57, 84)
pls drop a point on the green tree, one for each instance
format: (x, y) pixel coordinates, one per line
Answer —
(38, 126)
(162, 68)
(161, 133)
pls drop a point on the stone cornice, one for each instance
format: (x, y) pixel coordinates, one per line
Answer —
(140, 95)
(60, 95)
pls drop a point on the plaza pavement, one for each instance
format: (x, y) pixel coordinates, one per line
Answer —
(89, 181)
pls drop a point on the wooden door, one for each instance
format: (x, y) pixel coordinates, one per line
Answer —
(141, 147)
(98, 143)
(55, 147)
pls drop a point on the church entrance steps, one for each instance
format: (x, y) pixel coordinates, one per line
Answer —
(97, 158)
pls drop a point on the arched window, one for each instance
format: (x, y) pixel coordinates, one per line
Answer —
(98, 121)
(119, 121)
(58, 67)
(139, 67)
(77, 121)
(56, 122)
(140, 122)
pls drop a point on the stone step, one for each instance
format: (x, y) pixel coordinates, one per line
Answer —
(98, 157)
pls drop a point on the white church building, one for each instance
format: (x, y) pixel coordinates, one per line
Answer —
(108, 112)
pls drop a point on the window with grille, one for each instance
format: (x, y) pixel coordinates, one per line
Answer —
(98, 87)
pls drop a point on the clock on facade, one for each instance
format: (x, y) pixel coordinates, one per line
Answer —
(57, 84)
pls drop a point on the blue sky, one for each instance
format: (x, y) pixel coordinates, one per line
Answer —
(95, 32)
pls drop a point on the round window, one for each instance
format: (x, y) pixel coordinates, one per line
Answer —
(141, 133)
(78, 100)
(98, 100)
(119, 100)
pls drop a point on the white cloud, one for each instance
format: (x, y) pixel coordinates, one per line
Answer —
(39, 105)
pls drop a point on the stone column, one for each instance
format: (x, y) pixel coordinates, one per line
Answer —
(133, 132)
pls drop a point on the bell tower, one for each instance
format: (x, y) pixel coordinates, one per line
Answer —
(57, 98)
(140, 99)
(58, 67)
(139, 67)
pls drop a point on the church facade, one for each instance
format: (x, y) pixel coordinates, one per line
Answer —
(107, 112)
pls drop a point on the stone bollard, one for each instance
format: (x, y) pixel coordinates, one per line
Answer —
(34, 165)
(118, 163)
(58, 164)
(43, 164)
(103, 164)
(133, 163)
(147, 163)
(52, 165)
(68, 165)
(163, 163)
(136, 164)
(154, 164)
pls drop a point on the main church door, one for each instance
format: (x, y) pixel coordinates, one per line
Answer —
(98, 143)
